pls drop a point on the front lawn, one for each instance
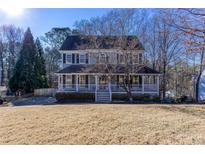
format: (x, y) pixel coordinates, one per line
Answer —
(103, 124)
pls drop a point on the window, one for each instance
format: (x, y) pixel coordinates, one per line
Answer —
(68, 80)
(130, 58)
(136, 79)
(121, 78)
(83, 80)
(103, 58)
(69, 59)
(136, 58)
(120, 58)
(82, 58)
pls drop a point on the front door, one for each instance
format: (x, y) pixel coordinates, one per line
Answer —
(103, 83)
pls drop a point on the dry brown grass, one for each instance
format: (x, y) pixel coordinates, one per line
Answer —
(103, 124)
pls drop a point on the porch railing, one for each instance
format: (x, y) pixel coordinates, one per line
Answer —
(112, 87)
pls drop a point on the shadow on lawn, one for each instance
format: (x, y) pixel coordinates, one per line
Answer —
(66, 101)
(53, 101)
(197, 112)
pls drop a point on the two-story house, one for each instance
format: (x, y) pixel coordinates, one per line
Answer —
(85, 67)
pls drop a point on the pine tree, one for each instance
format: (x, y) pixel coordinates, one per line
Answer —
(39, 67)
(24, 75)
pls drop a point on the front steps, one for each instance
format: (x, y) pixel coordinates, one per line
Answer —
(103, 96)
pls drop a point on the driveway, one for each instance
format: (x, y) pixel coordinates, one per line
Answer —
(34, 101)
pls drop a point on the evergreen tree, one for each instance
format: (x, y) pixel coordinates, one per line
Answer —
(39, 67)
(24, 76)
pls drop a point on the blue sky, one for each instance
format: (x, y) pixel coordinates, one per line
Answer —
(42, 20)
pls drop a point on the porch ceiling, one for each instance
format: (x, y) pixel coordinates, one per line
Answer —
(102, 68)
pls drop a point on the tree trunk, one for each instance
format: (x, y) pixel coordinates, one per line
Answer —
(197, 87)
(2, 73)
(129, 94)
(164, 81)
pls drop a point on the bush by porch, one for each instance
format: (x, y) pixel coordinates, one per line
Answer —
(115, 97)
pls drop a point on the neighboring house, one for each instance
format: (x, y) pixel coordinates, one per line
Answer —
(0, 74)
(84, 62)
(201, 87)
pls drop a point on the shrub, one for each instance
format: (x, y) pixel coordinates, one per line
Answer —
(122, 97)
(1, 101)
(156, 99)
(140, 97)
(75, 96)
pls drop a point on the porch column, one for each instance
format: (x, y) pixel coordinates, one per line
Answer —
(143, 84)
(76, 82)
(59, 84)
(96, 83)
(158, 84)
(96, 87)
(109, 86)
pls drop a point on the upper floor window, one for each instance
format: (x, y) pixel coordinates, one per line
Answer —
(103, 58)
(136, 58)
(120, 58)
(75, 58)
(82, 58)
(69, 58)
(140, 58)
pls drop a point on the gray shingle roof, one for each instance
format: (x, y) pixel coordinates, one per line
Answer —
(76, 42)
(91, 68)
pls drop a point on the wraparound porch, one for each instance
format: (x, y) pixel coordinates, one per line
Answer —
(140, 83)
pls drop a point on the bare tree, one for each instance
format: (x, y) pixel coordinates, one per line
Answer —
(52, 43)
(119, 23)
(163, 45)
(192, 23)
(10, 43)
(2, 58)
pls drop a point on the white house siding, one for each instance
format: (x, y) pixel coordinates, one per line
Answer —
(93, 55)
(202, 87)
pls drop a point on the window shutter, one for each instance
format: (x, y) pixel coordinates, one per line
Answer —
(64, 58)
(77, 58)
(86, 79)
(73, 81)
(86, 58)
(140, 79)
(73, 58)
(64, 81)
(140, 58)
